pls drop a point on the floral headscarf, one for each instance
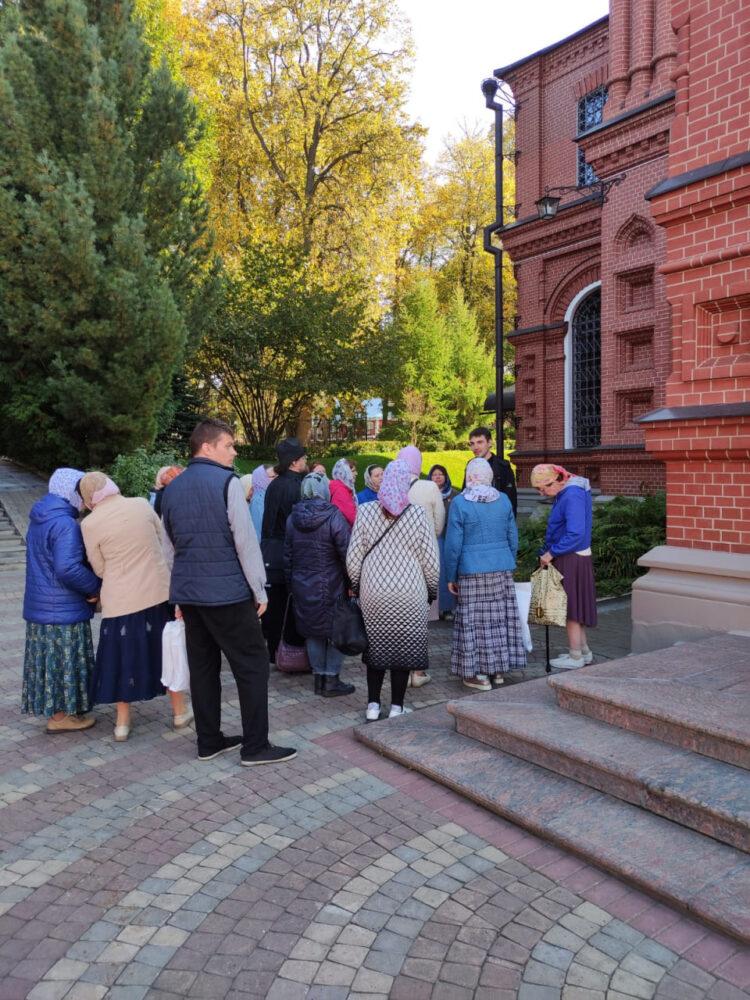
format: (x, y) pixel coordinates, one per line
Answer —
(368, 476)
(170, 473)
(479, 488)
(393, 494)
(159, 478)
(261, 479)
(63, 484)
(315, 486)
(95, 487)
(412, 457)
(343, 472)
(447, 487)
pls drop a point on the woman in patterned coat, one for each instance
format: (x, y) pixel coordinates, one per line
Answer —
(393, 563)
(480, 555)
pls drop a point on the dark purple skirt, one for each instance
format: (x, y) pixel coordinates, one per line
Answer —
(578, 583)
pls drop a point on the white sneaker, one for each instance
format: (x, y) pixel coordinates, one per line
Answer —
(568, 662)
(397, 710)
(121, 733)
(373, 711)
(478, 683)
(181, 721)
(418, 680)
(588, 657)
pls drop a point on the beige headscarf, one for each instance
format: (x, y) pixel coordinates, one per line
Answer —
(95, 487)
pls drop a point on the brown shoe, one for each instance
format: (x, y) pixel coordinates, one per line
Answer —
(70, 723)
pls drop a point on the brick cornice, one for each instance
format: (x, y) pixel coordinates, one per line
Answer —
(538, 237)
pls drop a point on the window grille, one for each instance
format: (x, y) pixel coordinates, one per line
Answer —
(590, 114)
(586, 336)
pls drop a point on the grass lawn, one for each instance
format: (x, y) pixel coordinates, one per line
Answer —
(454, 461)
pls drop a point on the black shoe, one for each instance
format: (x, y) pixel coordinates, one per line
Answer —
(230, 743)
(320, 683)
(335, 687)
(269, 755)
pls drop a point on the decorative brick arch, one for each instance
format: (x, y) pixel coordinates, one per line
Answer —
(637, 230)
(586, 274)
(592, 81)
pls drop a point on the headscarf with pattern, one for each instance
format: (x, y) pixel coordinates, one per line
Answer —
(343, 472)
(63, 484)
(546, 474)
(479, 488)
(393, 494)
(315, 486)
(447, 486)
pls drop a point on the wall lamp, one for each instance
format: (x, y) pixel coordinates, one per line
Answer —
(549, 203)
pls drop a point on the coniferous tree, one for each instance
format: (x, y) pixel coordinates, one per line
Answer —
(102, 231)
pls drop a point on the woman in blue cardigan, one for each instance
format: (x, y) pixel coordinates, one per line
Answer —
(481, 542)
(567, 545)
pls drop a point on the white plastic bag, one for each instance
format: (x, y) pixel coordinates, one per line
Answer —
(174, 664)
(523, 600)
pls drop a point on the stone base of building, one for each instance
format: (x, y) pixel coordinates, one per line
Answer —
(689, 594)
(625, 471)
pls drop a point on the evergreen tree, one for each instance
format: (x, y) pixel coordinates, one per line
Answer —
(472, 370)
(102, 231)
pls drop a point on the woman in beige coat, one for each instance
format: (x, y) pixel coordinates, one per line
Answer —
(122, 536)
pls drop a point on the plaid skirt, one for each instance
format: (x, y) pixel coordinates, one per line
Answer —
(487, 632)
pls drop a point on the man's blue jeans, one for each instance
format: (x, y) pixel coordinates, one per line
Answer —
(324, 658)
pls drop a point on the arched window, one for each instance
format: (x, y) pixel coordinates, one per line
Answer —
(586, 371)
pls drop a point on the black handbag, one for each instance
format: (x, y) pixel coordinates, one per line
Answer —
(348, 632)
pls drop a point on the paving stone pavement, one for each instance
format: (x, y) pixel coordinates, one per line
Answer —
(133, 870)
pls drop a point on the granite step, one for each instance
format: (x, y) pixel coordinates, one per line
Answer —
(707, 879)
(695, 695)
(525, 720)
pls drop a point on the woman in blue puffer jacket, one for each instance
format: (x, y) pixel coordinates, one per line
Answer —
(58, 605)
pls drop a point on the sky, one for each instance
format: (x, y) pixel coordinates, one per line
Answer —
(460, 42)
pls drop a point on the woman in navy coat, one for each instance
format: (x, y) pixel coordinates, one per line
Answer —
(317, 537)
(58, 606)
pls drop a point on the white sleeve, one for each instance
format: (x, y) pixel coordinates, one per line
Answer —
(246, 541)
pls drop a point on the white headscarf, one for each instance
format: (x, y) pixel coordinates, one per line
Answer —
(479, 488)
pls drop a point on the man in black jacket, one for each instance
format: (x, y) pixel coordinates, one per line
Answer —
(281, 496)
(480, 442)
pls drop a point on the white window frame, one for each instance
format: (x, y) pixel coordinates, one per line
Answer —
(568, 351)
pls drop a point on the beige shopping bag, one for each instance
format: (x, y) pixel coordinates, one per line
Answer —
(549, 602)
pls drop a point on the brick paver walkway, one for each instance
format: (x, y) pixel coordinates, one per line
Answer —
(133, 870)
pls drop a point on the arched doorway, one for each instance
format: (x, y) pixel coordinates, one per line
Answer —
(585, 371)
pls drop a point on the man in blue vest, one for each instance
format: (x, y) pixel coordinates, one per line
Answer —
(219, 582)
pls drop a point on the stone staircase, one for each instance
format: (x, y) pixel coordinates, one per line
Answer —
(639, 765)
(12, 546)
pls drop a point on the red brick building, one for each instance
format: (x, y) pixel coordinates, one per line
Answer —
(592, 335)
(633, 337)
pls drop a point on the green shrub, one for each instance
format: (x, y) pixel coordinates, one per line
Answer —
(135, 472)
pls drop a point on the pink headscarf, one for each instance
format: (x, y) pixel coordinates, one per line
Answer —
(412, 457)
(261, 479)
(393, 494)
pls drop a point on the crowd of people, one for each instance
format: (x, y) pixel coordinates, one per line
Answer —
(235, 558)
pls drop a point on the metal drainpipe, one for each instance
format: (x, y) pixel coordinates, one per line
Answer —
(489, 89)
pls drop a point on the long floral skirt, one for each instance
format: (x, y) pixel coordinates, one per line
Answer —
(128, 658)
(487, 632)
(57, 667)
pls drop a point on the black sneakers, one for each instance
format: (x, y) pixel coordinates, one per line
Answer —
(334, 687)
(268, 755)
(230, 743)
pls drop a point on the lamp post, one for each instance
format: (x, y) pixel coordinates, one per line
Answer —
(489, 89)
(549, 203)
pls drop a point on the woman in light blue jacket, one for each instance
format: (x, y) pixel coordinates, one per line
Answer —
(481, 543)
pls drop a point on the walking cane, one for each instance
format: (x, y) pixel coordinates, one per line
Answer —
(548, 668)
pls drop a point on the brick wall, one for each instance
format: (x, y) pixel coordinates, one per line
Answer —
(707, 280)
(616, 243)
